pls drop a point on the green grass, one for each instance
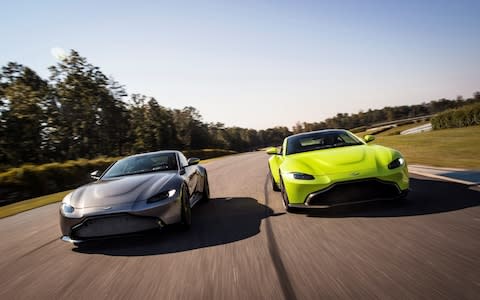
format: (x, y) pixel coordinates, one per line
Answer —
(456, 148)
(18, 207)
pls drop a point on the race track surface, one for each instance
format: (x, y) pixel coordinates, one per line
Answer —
(244, 246)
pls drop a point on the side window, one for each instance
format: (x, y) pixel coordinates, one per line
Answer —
(347, 138)
(183, 160)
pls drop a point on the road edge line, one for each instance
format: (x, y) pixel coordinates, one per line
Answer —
(469, 183)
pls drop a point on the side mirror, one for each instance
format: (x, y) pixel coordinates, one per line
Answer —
(272, 151)
(369, 138)
(95, 175)
(193, 161)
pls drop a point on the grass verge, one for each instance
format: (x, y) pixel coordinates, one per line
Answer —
(18, 207)
(455, 148)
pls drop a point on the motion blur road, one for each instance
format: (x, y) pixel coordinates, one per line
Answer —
(243, 246)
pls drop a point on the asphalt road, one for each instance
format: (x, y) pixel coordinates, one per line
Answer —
(244, 246)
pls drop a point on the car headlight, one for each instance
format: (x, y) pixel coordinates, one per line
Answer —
(67, 208)
(398, 162)
(162, 196)
(300, 176)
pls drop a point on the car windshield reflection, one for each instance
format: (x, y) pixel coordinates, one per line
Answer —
(143, 164)
(321, 140)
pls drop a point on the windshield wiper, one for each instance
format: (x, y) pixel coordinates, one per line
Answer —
(344, 145)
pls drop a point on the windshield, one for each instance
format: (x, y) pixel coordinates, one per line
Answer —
(143, 164)
(320, 140)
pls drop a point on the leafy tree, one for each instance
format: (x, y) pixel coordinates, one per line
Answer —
(91, 109)
(81, 112)
(191, 132)
(23, 98)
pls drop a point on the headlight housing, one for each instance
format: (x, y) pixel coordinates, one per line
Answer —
(162, 196)
(398, 162)
(67, 208)
(299, 176)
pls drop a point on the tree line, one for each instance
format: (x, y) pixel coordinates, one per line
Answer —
(386, 114)
(79, 112)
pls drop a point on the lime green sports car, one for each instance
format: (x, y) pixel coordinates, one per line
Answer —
(334, 167)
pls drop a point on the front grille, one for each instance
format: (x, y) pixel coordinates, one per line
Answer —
(354, 191)
(113, 225)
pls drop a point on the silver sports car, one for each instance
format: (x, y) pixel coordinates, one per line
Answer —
(137, 193)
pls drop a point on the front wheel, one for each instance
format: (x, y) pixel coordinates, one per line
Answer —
(284, 195)
(206, 189)
(186, 211)
(275, 187)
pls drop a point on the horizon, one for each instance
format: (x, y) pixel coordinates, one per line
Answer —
(260, 66)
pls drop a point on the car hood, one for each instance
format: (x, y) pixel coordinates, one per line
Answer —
(340, 160)
(113, 191)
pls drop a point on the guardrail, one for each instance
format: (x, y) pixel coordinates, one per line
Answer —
(418, 129)
(401, 121)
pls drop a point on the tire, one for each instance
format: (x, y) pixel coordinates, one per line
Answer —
(275, 187)
(206, 189)
(284, 196)
(185, 211)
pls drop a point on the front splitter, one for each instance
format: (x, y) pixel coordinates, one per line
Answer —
(69, 240)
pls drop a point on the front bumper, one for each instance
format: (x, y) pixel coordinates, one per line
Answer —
(113, 225)
(341, 189)
(336, 195)
(91, 223)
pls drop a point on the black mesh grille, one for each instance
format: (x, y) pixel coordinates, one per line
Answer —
(113, 225)
(355, 191)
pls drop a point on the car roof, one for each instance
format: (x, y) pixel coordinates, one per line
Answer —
(154, 152)
(317, 131)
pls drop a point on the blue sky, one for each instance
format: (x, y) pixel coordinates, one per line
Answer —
(259, 64)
